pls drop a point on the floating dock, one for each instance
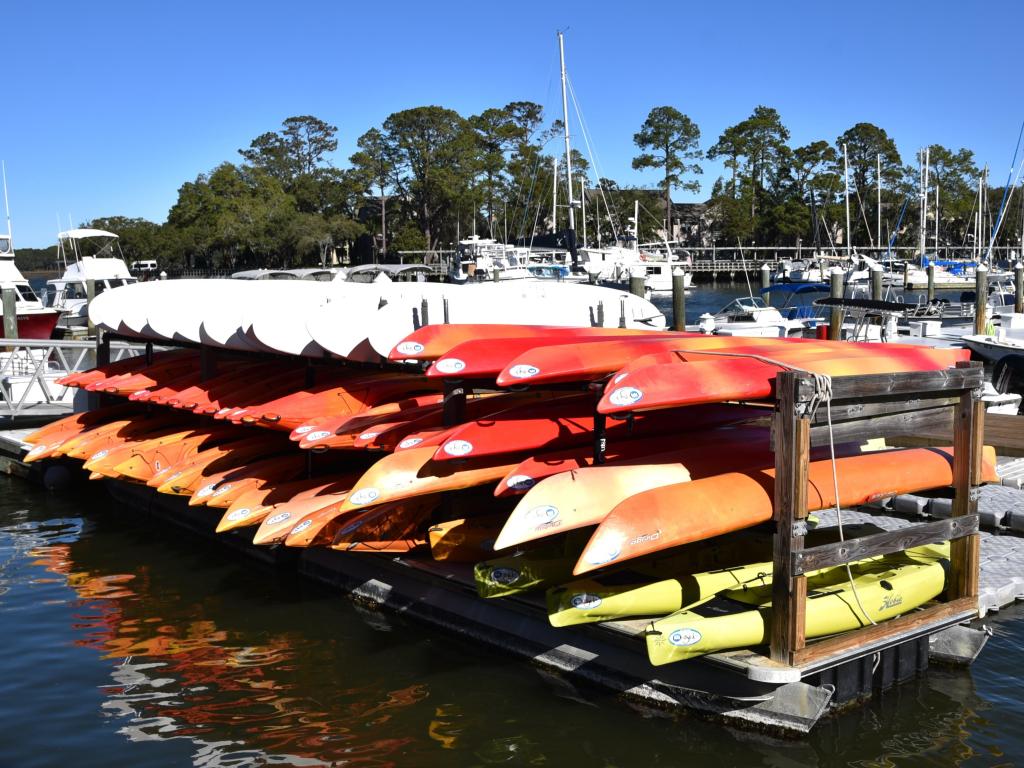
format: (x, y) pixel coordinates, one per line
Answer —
(743, 688)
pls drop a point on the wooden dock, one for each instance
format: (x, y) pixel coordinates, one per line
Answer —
(1004, 432)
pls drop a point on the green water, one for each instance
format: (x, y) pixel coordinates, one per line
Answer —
(126, 641)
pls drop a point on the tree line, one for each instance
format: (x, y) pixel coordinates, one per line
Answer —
(428, 176)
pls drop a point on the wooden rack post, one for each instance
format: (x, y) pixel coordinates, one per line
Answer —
(792, 448)
(864, 407)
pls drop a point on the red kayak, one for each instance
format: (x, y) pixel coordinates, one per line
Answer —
(589, 362)
(486, 358)
(352, 397)
(562, 423)
(432, 341)
(730, 378)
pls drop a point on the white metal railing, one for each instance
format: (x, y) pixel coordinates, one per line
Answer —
(29, 368)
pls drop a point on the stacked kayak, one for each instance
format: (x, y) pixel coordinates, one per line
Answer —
(608, 473)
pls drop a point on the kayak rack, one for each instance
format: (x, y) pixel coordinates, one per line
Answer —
(865, 407)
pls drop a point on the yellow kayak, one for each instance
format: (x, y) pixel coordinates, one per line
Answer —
(886, 587)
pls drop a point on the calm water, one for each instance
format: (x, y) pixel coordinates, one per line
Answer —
(128, 642)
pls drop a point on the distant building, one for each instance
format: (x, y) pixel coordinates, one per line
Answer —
(692, 224)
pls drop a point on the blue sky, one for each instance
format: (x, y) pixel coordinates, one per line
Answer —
(110, 107)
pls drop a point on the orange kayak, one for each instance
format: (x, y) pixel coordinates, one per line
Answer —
(251, 508)
(252, 384)
(230, 392)
(109, 463)
(186, 478)
(393, 527)
(222, 490)
(466, 540)
(666, 517)
(143, 461)
(108, 436)
(413, 472)
(148, 377)
(77, 423)
(532, 470)
(330, 424)
(124, 367)
(281, 519)
(586, 496)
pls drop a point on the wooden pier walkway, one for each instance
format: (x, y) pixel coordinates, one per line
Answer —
(1003, 432)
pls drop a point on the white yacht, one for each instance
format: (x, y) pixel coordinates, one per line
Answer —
(615, 264)
(86, 254)
(478, 257)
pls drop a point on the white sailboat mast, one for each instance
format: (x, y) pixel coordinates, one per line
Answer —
(924, 201)
(554, 195)
(583, 210)
(878, 179)
(565, 124)
(636, 225)
(846, 195)
(7, 208)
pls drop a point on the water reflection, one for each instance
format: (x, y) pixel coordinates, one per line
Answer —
(219, 662)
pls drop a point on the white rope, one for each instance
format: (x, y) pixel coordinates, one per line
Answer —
(823, 393)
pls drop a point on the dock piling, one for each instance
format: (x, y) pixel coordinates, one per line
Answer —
(766, 282)
(622, 312)
(636, 281)
(835, 323)
(10, 313)
(931, 283)
(876, 282)
(90, 294)
(678, 299)
(1018, 287)
(980, 298)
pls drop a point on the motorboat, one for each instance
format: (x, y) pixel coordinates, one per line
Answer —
(1007, 339)
(800, 271)
(86, 254)
(35, 321)
(796, 306)
(749, 316)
